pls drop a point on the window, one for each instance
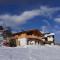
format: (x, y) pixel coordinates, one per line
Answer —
(50, 38)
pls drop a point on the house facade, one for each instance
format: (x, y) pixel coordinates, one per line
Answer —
(49, 38)
(31, 37)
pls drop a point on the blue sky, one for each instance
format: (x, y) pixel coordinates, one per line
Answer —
(31, 14)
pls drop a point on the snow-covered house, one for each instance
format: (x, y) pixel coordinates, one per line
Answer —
(30, 37)
(33, 37)
(49, 38)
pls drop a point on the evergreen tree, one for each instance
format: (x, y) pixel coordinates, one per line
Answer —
(12, 43)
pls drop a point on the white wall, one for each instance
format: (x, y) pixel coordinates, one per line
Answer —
(23, 41)
(50, 38)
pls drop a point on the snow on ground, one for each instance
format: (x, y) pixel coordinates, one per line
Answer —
(30, 53)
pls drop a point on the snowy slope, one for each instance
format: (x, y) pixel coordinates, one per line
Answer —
(30, 53)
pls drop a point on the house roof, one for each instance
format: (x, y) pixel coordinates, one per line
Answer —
(30, 32)
(49, 34)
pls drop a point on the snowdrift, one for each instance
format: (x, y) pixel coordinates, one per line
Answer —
(30, 53)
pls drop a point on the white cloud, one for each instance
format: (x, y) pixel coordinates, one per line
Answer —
(57, 20)
(44, 28)
(20, 18)
(57, 32)
(45, 11)
(48, 11)
(14, 20)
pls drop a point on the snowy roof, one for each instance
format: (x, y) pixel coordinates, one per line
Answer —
(50, 34)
